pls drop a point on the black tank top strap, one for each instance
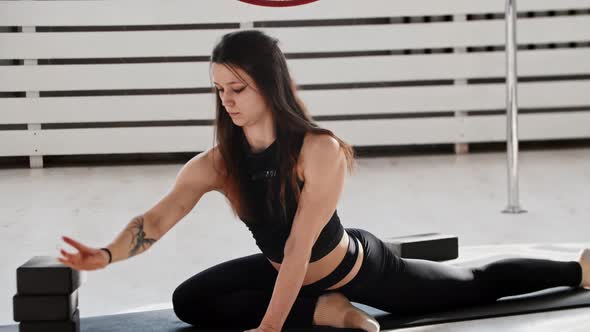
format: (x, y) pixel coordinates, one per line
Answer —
(339, 272)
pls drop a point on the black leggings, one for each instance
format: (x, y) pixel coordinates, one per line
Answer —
(236, 293)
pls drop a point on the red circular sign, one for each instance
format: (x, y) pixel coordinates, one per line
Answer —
(278, 3)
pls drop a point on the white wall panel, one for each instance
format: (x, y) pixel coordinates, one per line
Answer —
(17, 143)
(356, 132)
(123, 140)
(304, 71)
(553, 96)
(567, 125)
(108, 108)
(320, 103)
(147, 12)
(300, 39)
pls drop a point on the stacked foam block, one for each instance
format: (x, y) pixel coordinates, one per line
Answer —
(47, 296)
(430, 246)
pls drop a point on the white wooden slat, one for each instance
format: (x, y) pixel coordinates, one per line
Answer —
(293, 40)
(17, 143)
(105, 77)
(552, 94)
(70, 45)
(356, 132)
(460, 129)
(107, 140)
(107, 109)
(305, 71)
(429, 35)
(540, 5)
(186, 139)
(389, 100)
(146, 12)
(568, 125)
(444, 98)
(396, 131)
(438, 66)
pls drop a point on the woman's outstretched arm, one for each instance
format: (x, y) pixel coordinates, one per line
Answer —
(196, 177)
(324, 167)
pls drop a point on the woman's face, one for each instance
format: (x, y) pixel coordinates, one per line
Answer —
(239, 95)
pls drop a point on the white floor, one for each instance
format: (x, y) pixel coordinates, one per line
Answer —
(461, 195)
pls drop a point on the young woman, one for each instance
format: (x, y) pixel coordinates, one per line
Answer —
(282, 176)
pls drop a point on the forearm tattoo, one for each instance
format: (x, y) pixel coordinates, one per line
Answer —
(138, 237)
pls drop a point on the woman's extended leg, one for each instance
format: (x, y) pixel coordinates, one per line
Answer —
(235, 294)
(424, 286)
(411, 286)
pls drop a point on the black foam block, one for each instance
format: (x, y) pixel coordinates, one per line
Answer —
(430, 246)
(44, 307)
(45, 275)
(71, 325)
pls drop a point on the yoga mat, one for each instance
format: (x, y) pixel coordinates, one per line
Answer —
(558, 298)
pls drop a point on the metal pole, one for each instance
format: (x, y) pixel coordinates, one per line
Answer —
(512, 109)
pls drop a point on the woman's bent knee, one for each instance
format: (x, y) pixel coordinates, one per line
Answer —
(187, 307)
(179, 304)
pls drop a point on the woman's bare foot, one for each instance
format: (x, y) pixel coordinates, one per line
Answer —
(584, 260)
(334, 309)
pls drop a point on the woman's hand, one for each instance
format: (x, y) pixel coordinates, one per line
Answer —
(85, 259)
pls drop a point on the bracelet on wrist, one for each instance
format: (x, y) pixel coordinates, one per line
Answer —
(108, 252)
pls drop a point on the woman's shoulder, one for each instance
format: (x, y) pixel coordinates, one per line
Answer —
(318, 144)
(207, 168)
(318, 149)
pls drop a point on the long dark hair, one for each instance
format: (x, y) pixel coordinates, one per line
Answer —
(259, 56)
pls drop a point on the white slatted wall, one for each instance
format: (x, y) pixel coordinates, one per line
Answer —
(103, 77)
